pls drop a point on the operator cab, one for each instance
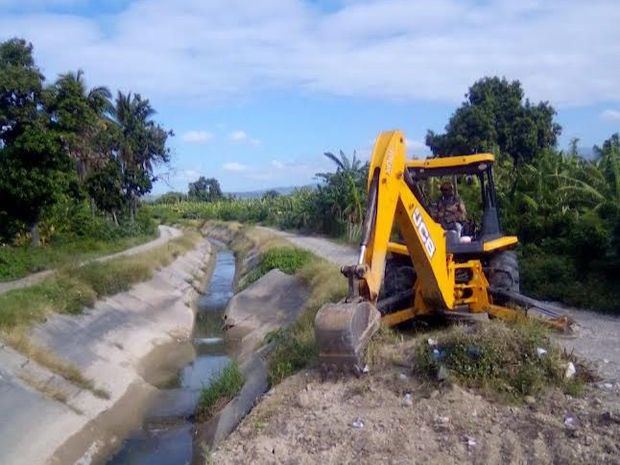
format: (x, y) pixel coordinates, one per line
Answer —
(488, 235)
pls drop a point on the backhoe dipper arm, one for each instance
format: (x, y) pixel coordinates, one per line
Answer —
(391, 200)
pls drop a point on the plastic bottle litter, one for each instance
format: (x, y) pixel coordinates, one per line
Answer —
(569, 421)
(432, 342)
(541, 352)
(442, 373)
(471, 442)
(408, 400)
(570, 370)
(365, 369)
(358, 423)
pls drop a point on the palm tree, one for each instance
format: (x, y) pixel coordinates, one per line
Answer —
(344, 190)
(142, 145)
(82, 115)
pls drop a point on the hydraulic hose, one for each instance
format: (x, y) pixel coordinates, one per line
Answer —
(371, 215)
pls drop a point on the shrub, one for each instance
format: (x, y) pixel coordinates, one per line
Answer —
(286, 259)
(498, 358)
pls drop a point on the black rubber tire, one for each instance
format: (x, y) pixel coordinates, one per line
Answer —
(503, 271)
(399, 277)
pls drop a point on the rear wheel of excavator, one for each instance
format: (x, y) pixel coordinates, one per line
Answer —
(503, 272)
(398, 282)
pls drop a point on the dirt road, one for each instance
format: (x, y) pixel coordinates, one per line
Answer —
(598, 338)
(166, 233)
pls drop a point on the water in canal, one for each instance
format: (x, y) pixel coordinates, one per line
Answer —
(165, 437)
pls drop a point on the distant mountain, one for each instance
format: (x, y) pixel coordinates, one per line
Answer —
(259, 193)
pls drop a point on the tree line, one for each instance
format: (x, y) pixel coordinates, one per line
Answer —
(64, 145)
(564, 208)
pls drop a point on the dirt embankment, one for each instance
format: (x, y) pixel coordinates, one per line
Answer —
(391, 416)
(46, 419)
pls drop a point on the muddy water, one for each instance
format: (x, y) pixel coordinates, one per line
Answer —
(166, 435)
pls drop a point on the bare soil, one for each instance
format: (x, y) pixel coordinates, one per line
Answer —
(306, 420)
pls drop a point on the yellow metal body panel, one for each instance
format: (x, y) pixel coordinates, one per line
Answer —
(400, 249)
(500, 243)
(424, 238)
(450, 162)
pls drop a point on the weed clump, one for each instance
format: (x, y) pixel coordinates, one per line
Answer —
(287, 259)
(512, 360)
(221, 391)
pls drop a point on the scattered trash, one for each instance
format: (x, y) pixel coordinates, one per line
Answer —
(474, 352)
(442, 420)
(540, 351)
(403, 377)
(530, 400)
(408, 400)
(442, 373)
(437, 354)
(358, 423)
(570, 370)
(471, 442)
(432, 342)
(570, 421)
(608, 385)
(365, 369)
(605, 360)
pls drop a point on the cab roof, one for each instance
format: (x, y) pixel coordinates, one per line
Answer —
(459, 164)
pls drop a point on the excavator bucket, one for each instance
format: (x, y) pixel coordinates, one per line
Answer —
(342, 332)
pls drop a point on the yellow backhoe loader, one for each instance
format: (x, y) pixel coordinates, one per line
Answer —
(410, 266)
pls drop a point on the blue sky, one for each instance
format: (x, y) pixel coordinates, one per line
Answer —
(256, 91)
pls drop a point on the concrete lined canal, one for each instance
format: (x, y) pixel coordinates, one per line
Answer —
(166, 435)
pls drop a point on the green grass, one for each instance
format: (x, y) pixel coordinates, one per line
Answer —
(73, 288)
(221, 391)
(500, 358)
(17, 262)
(287, 259)
(295, 347)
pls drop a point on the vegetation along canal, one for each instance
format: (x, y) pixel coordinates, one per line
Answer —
(166, 435)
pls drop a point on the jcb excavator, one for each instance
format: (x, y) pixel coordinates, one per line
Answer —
(410, 266)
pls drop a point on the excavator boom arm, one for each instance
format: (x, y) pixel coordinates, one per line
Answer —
(397, 204)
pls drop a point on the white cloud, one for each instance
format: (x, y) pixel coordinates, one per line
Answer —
(197, 137)
(416, 146)
(238, 136)
(277, 164)
(242, 136)
(611, 115)
(234, 166)
(196, 51)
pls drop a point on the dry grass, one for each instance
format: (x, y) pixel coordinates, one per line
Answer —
(18, 340)
(295, 347)
(74, 288)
